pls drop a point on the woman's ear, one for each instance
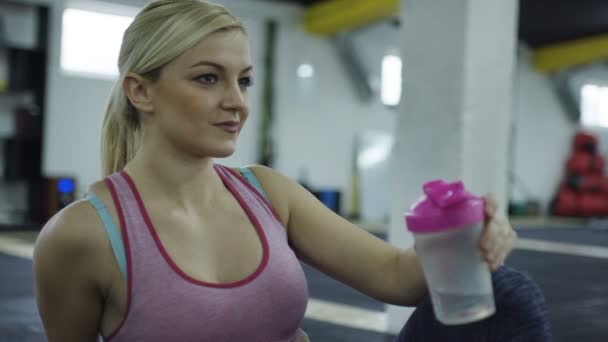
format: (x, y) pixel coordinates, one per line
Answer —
(139, 92)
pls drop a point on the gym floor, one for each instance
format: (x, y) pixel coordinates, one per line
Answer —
(569, 262)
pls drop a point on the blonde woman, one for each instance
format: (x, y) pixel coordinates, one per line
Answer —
(171, 246)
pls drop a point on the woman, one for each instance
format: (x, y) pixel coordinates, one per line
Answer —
(173, 247)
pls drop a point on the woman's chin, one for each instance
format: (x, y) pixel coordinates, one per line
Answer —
(224, 154)
(214, 151)
(224, 151)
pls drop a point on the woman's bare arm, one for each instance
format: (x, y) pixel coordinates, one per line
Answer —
(68, 294)
(356, 257)
(339, 248)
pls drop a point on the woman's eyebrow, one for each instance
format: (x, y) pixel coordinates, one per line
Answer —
(216, 65)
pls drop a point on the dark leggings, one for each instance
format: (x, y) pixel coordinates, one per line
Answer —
(521, 316)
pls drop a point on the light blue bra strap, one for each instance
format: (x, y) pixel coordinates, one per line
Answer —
(253, 180)
(113, 232)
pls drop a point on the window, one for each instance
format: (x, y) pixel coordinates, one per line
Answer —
(391, 80)
(594, 105)
(91, 41)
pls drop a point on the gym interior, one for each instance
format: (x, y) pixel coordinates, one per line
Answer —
(360, 102)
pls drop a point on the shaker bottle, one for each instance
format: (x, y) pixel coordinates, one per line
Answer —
(446, 224)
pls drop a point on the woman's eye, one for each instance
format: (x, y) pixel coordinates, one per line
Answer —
(207, 78)
(246, 82)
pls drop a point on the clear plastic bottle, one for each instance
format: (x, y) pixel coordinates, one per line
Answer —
(447, 224)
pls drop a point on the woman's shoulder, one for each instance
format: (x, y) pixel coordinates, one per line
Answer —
(78, 217)
(263, 173)
(101, 190)
(276, 186)
(268, 177)
(73, 231)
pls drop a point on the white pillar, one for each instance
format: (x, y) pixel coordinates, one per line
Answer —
(455, 113)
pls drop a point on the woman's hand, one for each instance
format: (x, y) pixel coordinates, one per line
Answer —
(497, 237)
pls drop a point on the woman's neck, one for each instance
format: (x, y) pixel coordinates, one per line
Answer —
(173, 177)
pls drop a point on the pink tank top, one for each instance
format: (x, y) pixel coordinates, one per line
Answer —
(165, 304)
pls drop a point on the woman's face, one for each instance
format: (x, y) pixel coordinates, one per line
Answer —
(201, 100)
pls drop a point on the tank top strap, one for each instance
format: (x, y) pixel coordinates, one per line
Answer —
(141, 249)
(247, 190)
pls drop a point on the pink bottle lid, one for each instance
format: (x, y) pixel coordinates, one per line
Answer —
(446, 206)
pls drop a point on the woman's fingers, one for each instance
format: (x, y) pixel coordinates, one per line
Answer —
(497, 237)
(497, 242)
(490, 205)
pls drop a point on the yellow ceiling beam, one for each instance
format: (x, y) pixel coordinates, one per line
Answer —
(332, 16)
(572, 53)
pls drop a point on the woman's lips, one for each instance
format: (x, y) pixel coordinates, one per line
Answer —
(230, 127)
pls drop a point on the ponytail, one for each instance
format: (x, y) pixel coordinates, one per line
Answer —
(120, 133)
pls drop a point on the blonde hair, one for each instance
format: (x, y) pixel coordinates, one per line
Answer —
(162, 31)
